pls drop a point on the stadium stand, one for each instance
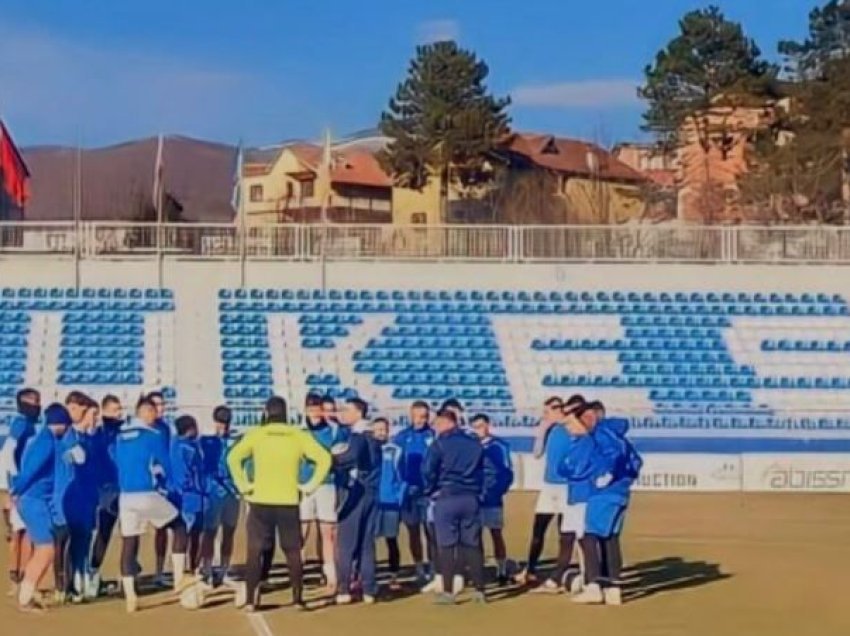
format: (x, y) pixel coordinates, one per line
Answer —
(119, 340)
(686, 360)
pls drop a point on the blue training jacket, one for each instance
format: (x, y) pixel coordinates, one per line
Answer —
(187, 474)
(141, 458)
(559, 443)
(214, 450)
(392, 489)
(498, 472)
(75, 493)
(327, 434)
(414, 445)
(454, 465)
(38, 466)
(619, 459)
(21, 431)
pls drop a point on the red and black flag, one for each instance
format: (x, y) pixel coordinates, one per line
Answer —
(14, 175)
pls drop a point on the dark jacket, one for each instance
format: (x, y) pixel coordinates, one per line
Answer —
(359, 463)
(498, 472)
(454, 465)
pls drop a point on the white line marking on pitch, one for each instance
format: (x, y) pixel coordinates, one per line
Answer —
(260, 625)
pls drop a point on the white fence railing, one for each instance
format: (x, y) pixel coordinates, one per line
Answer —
(498, 243)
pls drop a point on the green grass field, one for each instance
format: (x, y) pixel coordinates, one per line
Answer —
(698, 564)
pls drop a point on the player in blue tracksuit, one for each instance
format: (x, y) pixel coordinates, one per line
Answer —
(498, 478)
(357, 462)
(75, 498)
(319, 508)
(188, 486)
(142, 461)
(22, 428)
(593, 458)
(161, 536)
(105, 435)
(414, 441)
(617, 466)
(391, 492)
(32, 494)
(453, 472)
(222, 503)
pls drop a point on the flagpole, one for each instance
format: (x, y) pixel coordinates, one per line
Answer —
(158, 202)
(78, 212)
(243, 222)
(326, 194)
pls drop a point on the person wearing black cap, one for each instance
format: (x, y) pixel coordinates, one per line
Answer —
(454, 478)
(222, 504)
(32, 493)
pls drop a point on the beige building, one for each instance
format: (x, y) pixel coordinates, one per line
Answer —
(285, 185)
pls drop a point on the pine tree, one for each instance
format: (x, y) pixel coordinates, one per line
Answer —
(442, 121)
(710, 63)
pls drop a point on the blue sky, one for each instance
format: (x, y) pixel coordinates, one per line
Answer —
(102, 71)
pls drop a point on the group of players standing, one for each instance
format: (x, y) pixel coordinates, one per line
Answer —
(84, 468)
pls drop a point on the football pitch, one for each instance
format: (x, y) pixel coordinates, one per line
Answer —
(750, 564)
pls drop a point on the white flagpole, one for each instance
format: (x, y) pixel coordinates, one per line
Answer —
(326, 193)
(238, 203)
(158, 190)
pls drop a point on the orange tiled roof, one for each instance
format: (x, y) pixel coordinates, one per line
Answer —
(570, 156)
(351, 166)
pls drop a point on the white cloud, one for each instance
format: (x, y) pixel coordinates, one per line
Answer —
(595, 93)
(438, 31)
(61, 89)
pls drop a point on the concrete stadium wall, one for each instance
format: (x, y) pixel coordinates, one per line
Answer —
(214, 274)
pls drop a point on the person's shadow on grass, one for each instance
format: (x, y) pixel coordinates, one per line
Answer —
(667, 574)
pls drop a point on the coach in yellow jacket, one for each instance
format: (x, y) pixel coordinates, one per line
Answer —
(276, 450)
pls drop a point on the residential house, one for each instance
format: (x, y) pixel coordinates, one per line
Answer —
(559, 180)
(284, 185)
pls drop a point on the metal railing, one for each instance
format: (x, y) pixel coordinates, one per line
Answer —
(474, 243)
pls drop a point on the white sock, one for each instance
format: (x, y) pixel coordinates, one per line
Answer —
(178, 565)
(439, 586)
(128, 584)
(26, 593)
(502, 566)
(329, 570)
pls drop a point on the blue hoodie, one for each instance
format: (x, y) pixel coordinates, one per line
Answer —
(38, 466)
(214, 450)
(21, 431)
(619, 459)
(392, 488)
(498, 471)
(187, 474)
(75, 494)
(414, 446)
(327, 435)
(141, 458)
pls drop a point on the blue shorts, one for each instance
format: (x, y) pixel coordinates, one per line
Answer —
(457, 521)
(414, 511)
(38, 519)
(388, 522)
(493, 518)
(604, 517)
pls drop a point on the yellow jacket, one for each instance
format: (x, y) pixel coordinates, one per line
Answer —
(276, 451)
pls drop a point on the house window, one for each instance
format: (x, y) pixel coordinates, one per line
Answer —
(419, 218)
(256, 193)
(290, 191)
(307, 189)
